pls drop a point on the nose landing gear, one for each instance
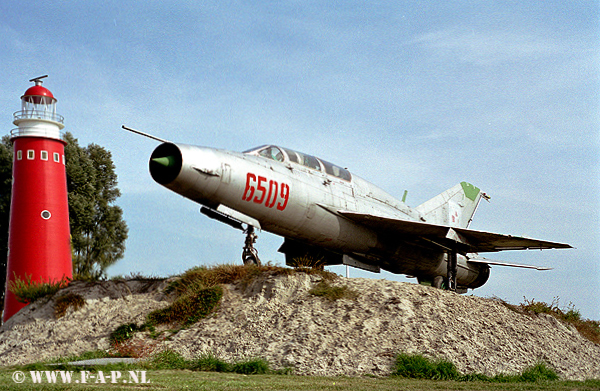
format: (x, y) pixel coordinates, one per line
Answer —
(249, 253)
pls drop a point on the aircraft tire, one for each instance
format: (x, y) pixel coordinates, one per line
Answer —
(438, 282)
(251, 259)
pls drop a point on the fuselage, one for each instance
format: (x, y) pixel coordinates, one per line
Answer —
(297, 196)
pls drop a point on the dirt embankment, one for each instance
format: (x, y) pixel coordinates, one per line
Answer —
(276, 318)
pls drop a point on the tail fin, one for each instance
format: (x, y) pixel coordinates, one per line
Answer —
(455, 207)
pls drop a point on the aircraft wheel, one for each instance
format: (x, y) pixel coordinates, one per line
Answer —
(438, 282)
(250, 258)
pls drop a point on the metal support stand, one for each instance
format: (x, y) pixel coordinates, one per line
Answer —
(452, 270)
(249, 253)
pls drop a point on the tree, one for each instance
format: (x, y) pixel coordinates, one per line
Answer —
(98, 231)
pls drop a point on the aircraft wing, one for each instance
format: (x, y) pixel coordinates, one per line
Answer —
(475, 241)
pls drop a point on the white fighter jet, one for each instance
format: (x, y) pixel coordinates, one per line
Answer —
(324, 212)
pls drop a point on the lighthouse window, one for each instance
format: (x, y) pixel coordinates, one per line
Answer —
(44, 155)
(19, 155)
(30, 154)
(56, 157)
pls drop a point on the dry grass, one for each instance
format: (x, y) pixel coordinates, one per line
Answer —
(589, 329)
(331, 292)
(65, 301)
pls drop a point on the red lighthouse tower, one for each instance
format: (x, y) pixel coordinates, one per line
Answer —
(39, 244)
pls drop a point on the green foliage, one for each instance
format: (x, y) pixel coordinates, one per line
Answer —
(169, 359)
(420, 367)
(125, 332)
(65, 301)
(208, 362)
(255, 366)
(188, 308)
(416, 366)
(539, 372)
(324, 289)
(98, 230)
(28, 291)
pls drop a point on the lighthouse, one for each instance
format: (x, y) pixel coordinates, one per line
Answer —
(39, 245)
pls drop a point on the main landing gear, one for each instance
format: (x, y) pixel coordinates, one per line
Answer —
(452, 270)
(249, 253)
(448, 283)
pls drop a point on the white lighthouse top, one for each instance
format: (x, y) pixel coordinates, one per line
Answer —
(38, 113)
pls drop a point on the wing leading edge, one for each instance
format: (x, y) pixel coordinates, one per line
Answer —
(476, 241)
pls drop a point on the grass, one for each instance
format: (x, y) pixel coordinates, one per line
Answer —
(28, 291)
(415, 366)
(169, 370)
(190, 307)
(324, 289)
(171, 379)
(169, 359)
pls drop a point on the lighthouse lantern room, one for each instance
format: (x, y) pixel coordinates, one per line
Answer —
(39, 245)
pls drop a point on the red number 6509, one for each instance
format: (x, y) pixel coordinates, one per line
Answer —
(267, 192)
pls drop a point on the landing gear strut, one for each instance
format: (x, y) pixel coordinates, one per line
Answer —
(250, 254)
(452, 270)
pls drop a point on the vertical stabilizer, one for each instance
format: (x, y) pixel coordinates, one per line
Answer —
(454, 208)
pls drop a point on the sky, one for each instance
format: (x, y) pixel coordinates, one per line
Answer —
(413, 96)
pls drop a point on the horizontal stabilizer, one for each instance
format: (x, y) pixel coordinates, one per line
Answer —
(501, 263)
(475, 241)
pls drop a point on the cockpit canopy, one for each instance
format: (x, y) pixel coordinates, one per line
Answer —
(281, 154)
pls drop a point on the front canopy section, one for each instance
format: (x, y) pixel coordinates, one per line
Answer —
(285, 155)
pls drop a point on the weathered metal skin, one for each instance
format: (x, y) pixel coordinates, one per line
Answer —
(322, 210)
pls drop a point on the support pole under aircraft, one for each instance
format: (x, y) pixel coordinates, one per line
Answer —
(452, 270)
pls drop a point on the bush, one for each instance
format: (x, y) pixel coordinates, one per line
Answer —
(256, 366)
(208, 362)
(168, 359)
(415, 366)
(65, 301)
(539, 372)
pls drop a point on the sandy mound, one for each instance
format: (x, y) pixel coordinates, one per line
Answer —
(275, 318)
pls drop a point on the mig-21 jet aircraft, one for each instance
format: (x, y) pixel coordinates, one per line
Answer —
(325, 212)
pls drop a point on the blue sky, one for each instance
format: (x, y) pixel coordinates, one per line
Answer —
(409, 95)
